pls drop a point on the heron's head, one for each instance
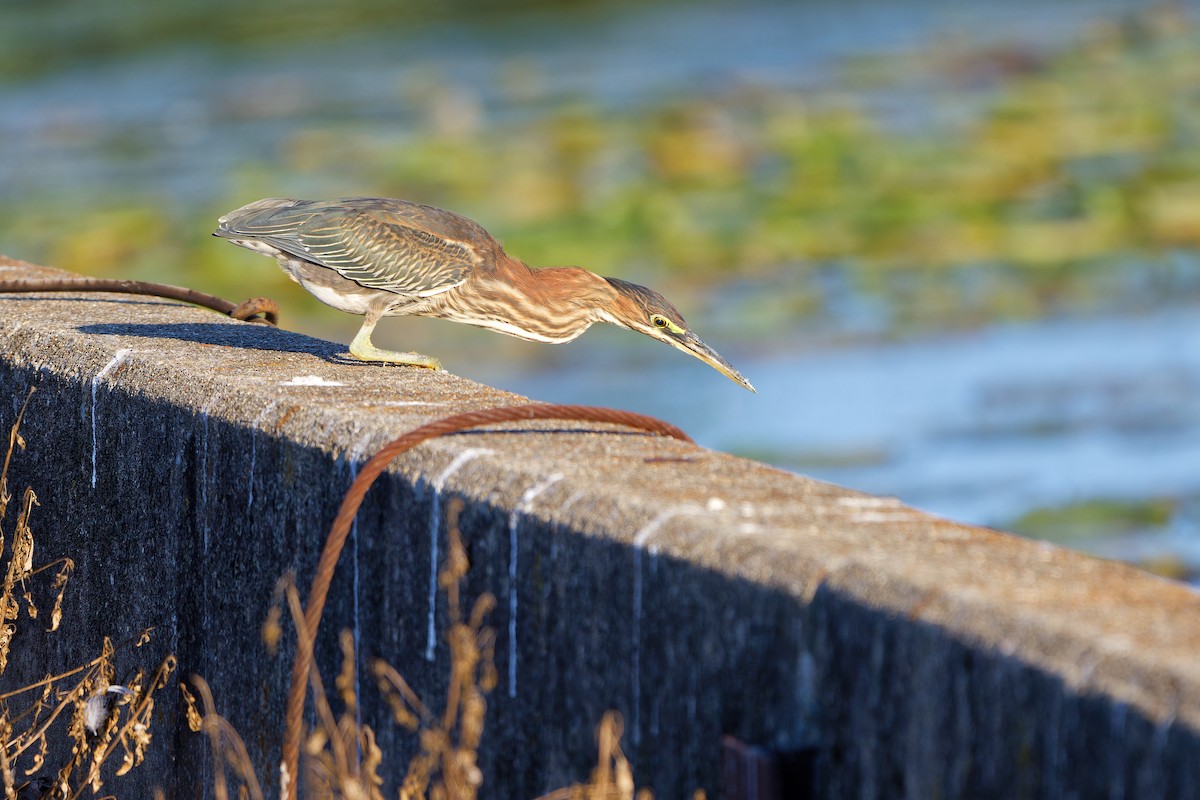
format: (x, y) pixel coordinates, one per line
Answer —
(646, 311)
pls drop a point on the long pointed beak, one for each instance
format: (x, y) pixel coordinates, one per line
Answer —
(690, 343)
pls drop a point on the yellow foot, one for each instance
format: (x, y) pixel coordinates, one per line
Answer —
(370, 352)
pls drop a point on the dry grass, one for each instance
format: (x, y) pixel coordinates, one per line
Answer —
(342, 759)
(20, 570)
(227, 746)
(447, 764)
(103, 721)
(612, 779)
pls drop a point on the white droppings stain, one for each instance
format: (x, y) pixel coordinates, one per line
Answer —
(640, 543)
(435, 524)
(254, 426)
(117, 359)
(866, 501)
(575, 497)
(309, 380)
(643, 536)
(353, 459)
(203, 510)
(401, 403)
(879, 516)
(716, 504)
(522, 507)
(875, 509)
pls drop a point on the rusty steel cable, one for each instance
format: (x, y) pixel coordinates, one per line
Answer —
(247, 311)
(340, 530)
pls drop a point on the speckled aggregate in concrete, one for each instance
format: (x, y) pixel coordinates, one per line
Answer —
(698, 593)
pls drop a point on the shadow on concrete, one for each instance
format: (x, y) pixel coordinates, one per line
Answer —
(40, 297)
(250, 336)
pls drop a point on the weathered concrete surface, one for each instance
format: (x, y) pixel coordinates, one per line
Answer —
(698, 593)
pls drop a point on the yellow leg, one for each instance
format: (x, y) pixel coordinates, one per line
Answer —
(362, 349)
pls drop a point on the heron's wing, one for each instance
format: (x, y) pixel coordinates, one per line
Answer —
(383, 255)
(374, 249)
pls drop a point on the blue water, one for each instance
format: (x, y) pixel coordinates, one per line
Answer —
(180, 121)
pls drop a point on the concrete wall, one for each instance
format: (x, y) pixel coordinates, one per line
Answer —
(698, 593)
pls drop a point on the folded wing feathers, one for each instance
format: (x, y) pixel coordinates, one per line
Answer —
(374, 253)
(388, 256)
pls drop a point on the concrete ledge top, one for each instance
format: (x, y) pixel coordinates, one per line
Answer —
(1102, 626)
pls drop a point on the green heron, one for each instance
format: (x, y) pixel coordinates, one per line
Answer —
(380, 257)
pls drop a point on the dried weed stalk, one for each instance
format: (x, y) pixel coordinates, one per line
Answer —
(447, 766)
(229, 751)
(342, 759)
(101, 719)
(19, 569)
(612, 779)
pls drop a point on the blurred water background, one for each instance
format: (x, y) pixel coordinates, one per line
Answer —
(954, 244)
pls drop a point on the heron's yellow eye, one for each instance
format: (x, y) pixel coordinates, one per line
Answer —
(662, 323)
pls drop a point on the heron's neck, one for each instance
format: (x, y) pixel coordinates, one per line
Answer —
(563, 287)
(553, 304)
